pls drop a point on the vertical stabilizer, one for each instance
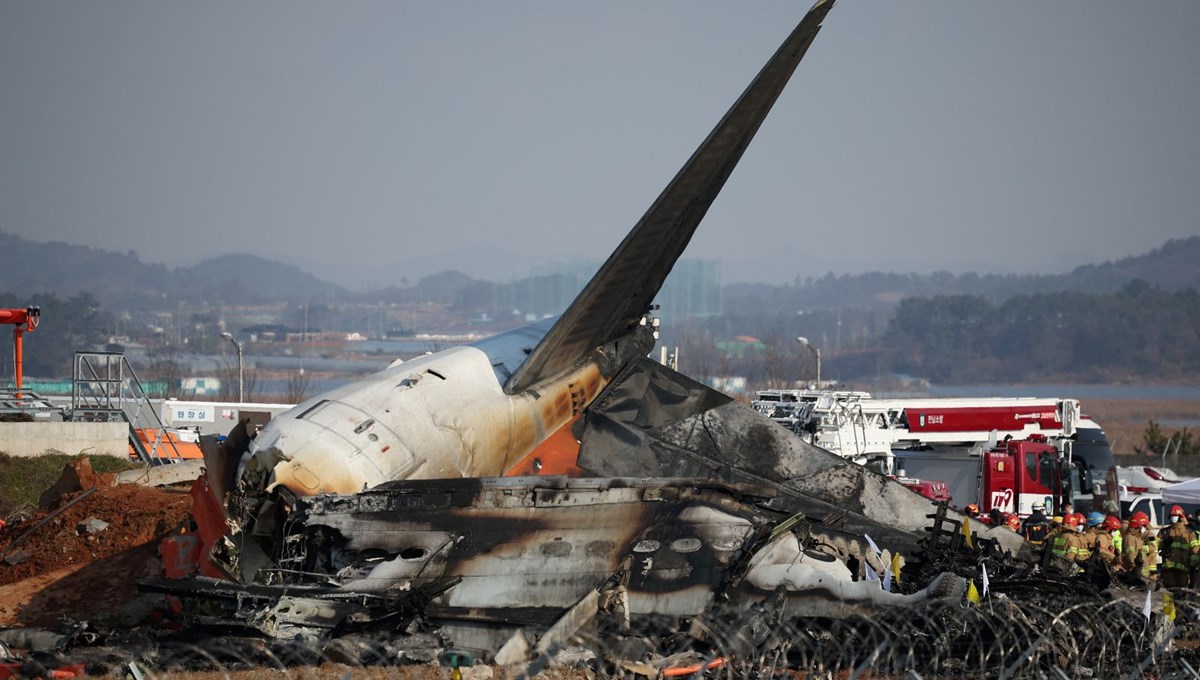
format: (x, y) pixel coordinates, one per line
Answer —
(621, 292)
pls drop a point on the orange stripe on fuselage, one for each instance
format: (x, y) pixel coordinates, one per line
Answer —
(557, 455)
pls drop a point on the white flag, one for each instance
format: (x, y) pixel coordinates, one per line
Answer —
(872, 544)
(984, 579)
(870, 572)
(1146, 607)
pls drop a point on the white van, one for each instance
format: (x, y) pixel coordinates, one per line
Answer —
(1149, 503)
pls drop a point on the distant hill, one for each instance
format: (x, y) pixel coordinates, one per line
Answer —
(1171, 267)
(55, 267)
(122, 280)
(244, 279)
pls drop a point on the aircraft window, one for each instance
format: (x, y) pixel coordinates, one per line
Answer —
(646, 546)
(685, 545)
(435, 374)
(556, 548)
(600, 548)
(413, 553)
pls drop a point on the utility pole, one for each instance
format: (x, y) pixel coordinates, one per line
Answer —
(241, 381)
(816, 352)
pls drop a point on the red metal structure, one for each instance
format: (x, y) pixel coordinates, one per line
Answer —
(25, 320)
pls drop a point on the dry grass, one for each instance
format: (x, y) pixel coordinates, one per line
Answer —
(1124, 420)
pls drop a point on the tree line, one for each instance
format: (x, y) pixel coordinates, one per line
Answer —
(1141, 332)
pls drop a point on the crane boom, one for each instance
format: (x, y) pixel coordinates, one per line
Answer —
(24, 321)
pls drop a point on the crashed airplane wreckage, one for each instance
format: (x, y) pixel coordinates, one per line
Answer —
(552, 476)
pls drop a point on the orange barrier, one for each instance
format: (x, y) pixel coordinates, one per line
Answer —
(186, 450)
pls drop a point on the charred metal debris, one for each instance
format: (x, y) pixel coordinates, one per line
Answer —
(623, 574)
(675, 574)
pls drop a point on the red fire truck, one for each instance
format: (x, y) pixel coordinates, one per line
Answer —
(953, 440)
(1009, 477)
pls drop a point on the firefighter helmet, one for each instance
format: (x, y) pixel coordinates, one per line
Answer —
(1080, 520)
(1071, 520)
(1111, 523)
(1095, 519)
(1139, 519)
(972, 509)
(1057, 519)
(1177, 511)
(1013, 522)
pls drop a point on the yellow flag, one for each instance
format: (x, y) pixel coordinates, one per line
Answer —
(966, 531)
(1168, 607)
(896, 568)
(972, 592)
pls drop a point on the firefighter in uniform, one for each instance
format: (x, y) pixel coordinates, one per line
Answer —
(1099, 540)
(1113, 526)
(1178, 546)
(1138, 551)
(1036, 528)
(1085, 547)
(1068, 544)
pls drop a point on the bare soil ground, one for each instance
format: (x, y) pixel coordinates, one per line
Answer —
(88, 576)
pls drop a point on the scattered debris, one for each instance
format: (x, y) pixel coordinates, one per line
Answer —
(183, 472)
(77, 475)
(92, 525)
(58, 572)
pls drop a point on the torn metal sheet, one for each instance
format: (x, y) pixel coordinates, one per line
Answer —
(520, 551)
(657, 422)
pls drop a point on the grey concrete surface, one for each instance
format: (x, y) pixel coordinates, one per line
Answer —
(162, 475)
(37, 438)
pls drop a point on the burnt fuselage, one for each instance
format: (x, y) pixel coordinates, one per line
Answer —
(516, 545)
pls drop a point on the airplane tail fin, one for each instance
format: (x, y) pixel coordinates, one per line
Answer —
(623, 289)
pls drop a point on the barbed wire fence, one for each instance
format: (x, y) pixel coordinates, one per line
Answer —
(1001, 637)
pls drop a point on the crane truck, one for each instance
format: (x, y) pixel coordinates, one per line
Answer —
(998, 452)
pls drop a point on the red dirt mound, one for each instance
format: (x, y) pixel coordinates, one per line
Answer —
(135, 515)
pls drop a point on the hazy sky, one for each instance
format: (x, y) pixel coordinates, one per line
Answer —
(369, 141)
